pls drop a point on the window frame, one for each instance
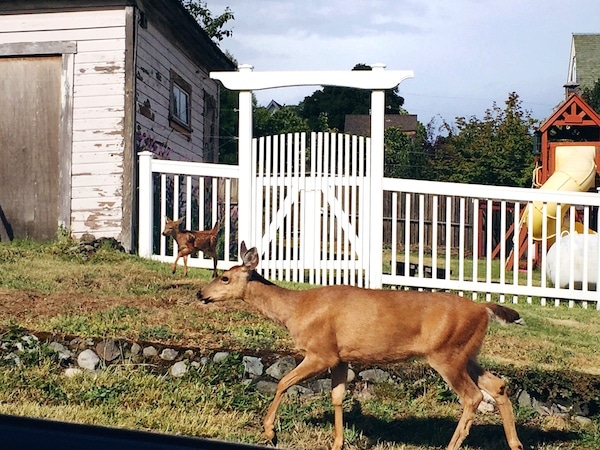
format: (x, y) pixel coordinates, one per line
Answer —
(179, 88)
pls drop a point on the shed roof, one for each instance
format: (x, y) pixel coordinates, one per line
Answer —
(169, 16)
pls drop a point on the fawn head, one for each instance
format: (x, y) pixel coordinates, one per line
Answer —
(172, 226)
(232, 283)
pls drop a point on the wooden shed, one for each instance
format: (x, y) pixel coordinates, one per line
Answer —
(84, 86)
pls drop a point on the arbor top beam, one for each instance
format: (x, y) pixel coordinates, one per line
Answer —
(245, 79)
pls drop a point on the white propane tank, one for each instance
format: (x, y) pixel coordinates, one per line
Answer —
(559, 274)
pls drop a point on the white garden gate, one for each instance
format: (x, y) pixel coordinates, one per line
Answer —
(314, 207)
(311, 207)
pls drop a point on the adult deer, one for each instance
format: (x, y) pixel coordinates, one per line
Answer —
(335, 325)
(190, 242)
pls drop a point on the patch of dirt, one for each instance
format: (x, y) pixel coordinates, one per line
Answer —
(24, 305)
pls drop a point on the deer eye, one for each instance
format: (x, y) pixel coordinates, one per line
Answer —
(225, 279)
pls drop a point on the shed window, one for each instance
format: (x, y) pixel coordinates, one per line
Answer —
(181, 104)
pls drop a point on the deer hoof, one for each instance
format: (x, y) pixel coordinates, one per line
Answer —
(270, 434)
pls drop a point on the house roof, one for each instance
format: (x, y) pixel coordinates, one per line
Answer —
(360, 124)
(169, 16)
(584, 64)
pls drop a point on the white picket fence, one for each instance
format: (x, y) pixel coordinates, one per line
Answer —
(312, 219)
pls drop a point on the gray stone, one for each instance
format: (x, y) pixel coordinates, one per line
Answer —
(71, 372)
(108, 350)
(351, 375)
(253, 366)
(30, 340)
(524, 399)
(220, 357)
(179, 369)
(149, 352)
(169, 354)
(375, 376)
(12, 357)
(266, 387)
(136, 349)
(321, 385)
(281, 367)
(300, 391)
(63, 352)
(88, 359)
(583, 421)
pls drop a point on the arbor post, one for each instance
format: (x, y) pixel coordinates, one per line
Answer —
(376, 181)
(245, 202)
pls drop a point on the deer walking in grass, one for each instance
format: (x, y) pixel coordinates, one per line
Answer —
(335, 325)
(189, 242)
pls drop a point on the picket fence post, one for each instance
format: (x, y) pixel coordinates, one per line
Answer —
(146, 198)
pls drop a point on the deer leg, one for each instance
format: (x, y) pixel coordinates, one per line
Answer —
(185, 257)
(339, 377)
(174, 268)
(496, 387)
(214, 267)
(310, 366)
(470, 396)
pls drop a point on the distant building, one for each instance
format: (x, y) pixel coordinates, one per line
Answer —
(273, 106)
(584, 62)
(360, 124)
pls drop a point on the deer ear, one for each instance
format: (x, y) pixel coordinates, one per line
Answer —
(179, 220)
(243, 248)
(167, 219)
(250, 259)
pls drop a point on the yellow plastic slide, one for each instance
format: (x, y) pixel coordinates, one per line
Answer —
(575, 172)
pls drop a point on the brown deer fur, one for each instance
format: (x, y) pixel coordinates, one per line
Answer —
(335, 325)
(189, 242)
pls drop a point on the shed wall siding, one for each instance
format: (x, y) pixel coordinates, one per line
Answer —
(98, 108)
(155, 59)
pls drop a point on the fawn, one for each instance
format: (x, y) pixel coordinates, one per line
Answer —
(335, 325)
(189, 242)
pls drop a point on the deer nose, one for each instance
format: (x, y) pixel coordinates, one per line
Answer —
(204, 300)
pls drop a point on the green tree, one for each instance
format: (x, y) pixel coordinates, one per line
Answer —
(495, 151)
(404, 155)
(284, 120)
(334, 102)
(213, 25)
(592, 96)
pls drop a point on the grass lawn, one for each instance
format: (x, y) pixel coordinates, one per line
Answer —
(55, 289)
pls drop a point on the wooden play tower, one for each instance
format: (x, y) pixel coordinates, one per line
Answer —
(574, 124)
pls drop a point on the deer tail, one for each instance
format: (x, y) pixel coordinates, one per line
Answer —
(504, 314)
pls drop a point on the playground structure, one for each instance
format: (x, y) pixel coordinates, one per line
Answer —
(567, 159)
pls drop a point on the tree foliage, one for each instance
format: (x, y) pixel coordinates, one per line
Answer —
(592, 96)
(404, 155)
(334, 102)
(213, 25)
(495, 151)
(284, 120)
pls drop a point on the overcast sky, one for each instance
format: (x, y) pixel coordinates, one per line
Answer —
(466, 54)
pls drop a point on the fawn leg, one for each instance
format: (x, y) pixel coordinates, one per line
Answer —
(174, 268)
(496, 387)
(185, 265)
(215, 267)
(310, 366)
(339, 377)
